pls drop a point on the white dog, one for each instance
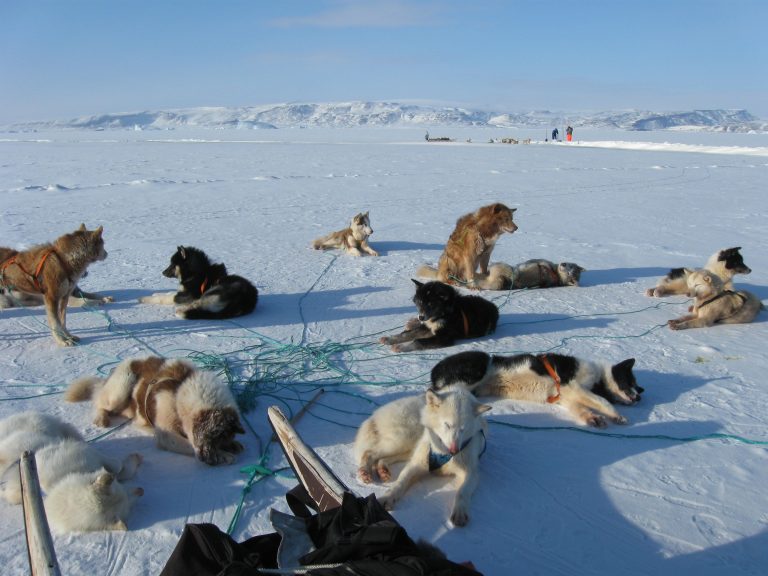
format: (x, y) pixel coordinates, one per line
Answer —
(80, 484)
(442, 433)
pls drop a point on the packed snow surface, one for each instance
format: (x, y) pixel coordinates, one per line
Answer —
(659, 496)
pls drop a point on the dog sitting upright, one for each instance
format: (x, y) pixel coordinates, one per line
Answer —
(586, 389)
(190, 411)
(725, 264)
(444, 317)
(470, 245)
(713, 304)
(53, 271)
(206, 291)
(441, 433)
(352, 239)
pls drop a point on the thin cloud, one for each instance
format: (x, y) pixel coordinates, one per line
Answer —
(365, 14)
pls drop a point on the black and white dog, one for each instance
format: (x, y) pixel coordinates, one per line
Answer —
(206, 291)
(444, 317)
(585, 388)
(724, 263)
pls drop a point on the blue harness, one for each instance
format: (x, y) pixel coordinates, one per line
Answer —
(439, 459)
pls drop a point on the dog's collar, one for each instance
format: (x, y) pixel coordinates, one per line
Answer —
(437, 460)
(552, 374)
(466, 323)
(723, 293)
(551, 272)
(204, 285)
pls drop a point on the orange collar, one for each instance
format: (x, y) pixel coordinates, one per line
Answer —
(204, 285)
(553, 375)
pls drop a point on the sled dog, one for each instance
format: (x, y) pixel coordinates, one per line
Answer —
(536, 273)
(444, 317)
(440, 432)
(470, 245)
(353, 239)
(190, 410)
(15, 299)
(725, 263)
(52, 271)
(206, 291)
(584, 388)
(713, 304)
(81, 485)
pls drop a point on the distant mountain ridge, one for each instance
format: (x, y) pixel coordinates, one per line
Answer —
(353, 114)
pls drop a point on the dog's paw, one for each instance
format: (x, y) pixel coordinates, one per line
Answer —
(459, 517)
(106, 299)
(102, 420)
(365, 475)
(384, 474)
(388, 501)
(596, 421)
(384, 340)
(650, 292)
(373, 253)
(619, 419)
(674, 324)
(398, 348)
(412, 324)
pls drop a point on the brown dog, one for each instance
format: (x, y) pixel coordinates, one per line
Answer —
(470, 245)
(713, 304)
(53, 271)
(352, 239)
(190, 411)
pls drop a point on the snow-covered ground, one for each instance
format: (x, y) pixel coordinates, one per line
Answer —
(637, 499)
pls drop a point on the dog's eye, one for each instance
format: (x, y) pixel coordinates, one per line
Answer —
(447, 426)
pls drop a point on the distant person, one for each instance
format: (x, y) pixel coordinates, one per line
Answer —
(569, 133)
(555, 134)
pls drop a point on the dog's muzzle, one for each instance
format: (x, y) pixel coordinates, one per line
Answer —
(170, 272)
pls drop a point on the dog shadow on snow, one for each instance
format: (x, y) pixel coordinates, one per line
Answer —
(621, 275)
(385, 247)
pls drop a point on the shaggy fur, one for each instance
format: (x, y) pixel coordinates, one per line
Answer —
(81, 486)
(442, 433)
(353, 239)
(536, 273)
(713, 304)
(206, 291)
(444, 317)
(725, 264)
(587, 389)
(15, 299)
(52, 271)
(190, 410)
(470, 245)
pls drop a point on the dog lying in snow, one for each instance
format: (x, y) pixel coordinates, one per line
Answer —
(586, 389)
(725, 264)
(352, 239)
(713, 304)
(437, 432)
(81, 485)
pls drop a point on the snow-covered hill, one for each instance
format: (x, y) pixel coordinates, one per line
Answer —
(352, 114)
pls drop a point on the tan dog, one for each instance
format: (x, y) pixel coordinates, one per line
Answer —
(725, 263)
(190, 410)
(53, 271)
(714, 304)
(352, 239)
(470, 245)
(14, 299)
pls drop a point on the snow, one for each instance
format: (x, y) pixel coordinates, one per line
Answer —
(552, 499)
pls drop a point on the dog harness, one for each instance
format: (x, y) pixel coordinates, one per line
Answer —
(38, 269)
(723, 293)
(553, 375)
(437, 460)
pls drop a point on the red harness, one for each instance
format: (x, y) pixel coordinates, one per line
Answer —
(553, 375)
(38, 269)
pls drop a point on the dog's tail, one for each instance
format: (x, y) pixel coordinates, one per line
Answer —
(83, 388)
(427, 272)
(500, 277)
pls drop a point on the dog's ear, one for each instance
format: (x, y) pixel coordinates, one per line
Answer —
(82, 228)
(419, 284)
(628, 363)
(182, 252)
(688, 271)
(98, 231)
(433, 400)
(482, 408)
(104, 480)
(365, 215)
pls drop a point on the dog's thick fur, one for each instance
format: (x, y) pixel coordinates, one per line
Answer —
(352, 239)
(537, 273)
(724, 263)
(587, 389)
(444, 317)
(206, 291)
(713, 304)
(442, 433)
(470, 245)
(81, 485)
(15, 299)
(52, 271)
(190, 410)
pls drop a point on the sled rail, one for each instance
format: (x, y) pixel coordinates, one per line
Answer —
(42, 555)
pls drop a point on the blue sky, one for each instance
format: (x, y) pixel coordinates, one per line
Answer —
(65, 58)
